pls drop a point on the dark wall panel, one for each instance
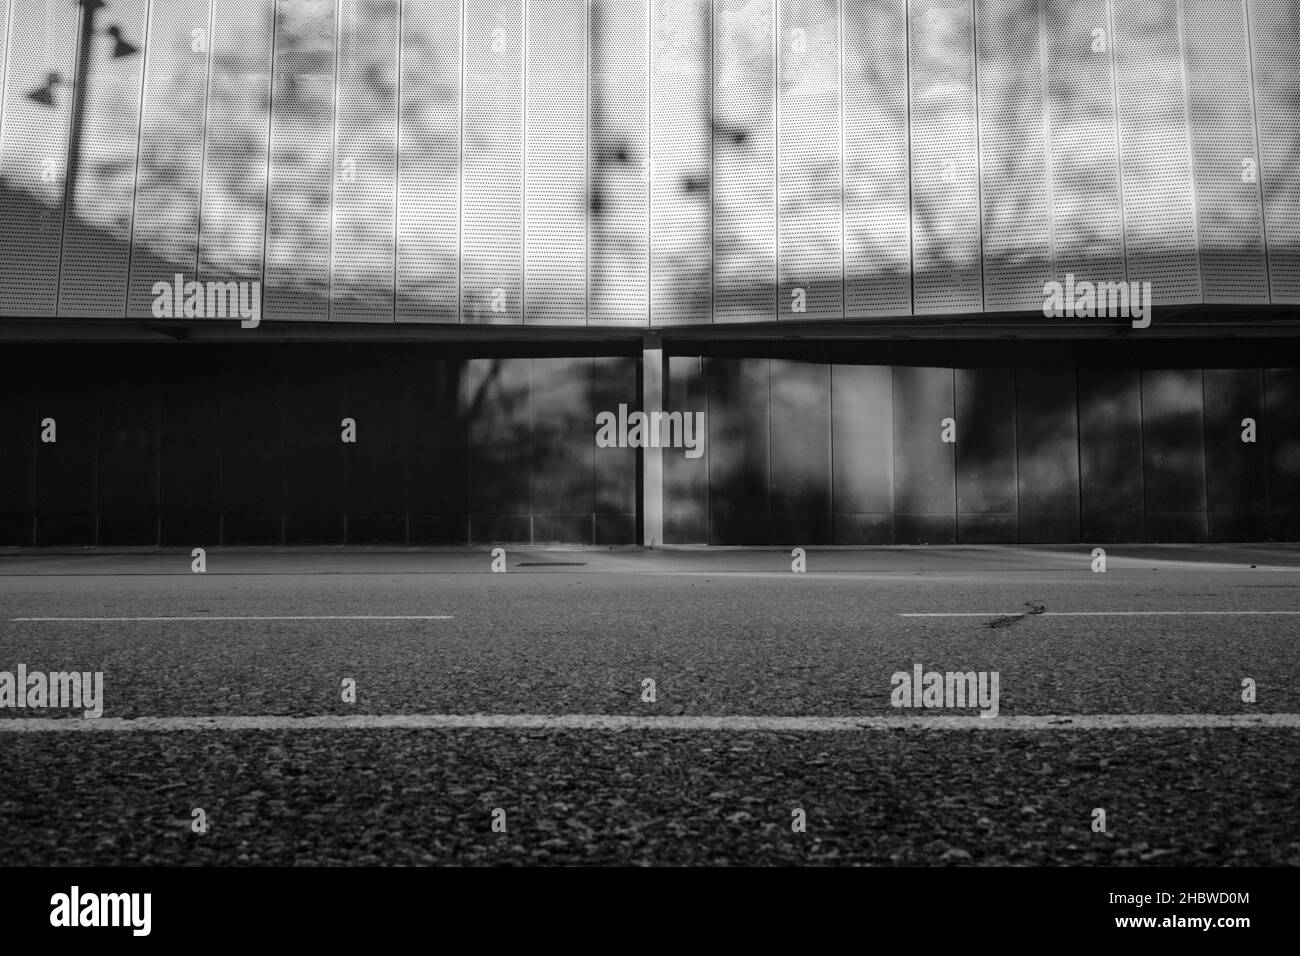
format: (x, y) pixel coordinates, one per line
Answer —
(924, 465)
(801, 450)
(985, 393)
(1234, 470)
(19, 434)
(616, 381)
(130, 434)
(1110, 444)
(374, 395)
(564, 449)
(65, 469)
(252, 446)
(862, 445)
(192, 391)
(739, 462)
(1047, 443)
(497, 397)
(437, 449)
(1282, 399)
(686, 480)
(313, 446)
(1173, 454)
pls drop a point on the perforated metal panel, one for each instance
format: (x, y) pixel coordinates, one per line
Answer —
(233, 214)
(744, 162)
(428, 211)
(945, 175)
(1230, 225)
(365, 166)
(302, 161)
(169, 176)
(808, 104)
(618, 244)
(97, 226)
(877, 230)
(4, 56)
(1275, 48)
(556, 186)
(493, 162)
(681, 161)
(34, 153)
(1087, 237)
(1014, 210)
(1159, 215)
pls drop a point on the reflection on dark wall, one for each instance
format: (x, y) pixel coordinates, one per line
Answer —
(242, 445)
(1055, 441)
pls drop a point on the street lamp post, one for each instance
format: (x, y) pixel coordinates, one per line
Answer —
(45, 94)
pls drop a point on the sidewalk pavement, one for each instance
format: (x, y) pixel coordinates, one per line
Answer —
(926, 559)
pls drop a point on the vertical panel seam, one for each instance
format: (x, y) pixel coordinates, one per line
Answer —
(1180, 13)
(135, 178)
(397, 150)
(69, 200)
(270, 142)
(1119, 140)
(1259, 153)
(203, 142)
(1046, 90)
(334, 163)
(979, 177)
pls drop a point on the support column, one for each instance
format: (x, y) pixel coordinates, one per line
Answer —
(652, 470)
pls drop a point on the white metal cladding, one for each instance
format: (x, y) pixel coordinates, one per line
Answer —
(681, 161)
(4, 50)
(302, 195)
(1014, 209)
(669, 161)
(945, 167)
(232, 219)
(1275, 37)
(618, 241)
(365, 166)
(169, 173)
(556, 187)
(1083, 169)
(744, 168)
(429, 181)
(493, 154)
(34, 153)
(877, 223)
(1159, 216)
(1226, 164)
(93, 281)
(809, 168)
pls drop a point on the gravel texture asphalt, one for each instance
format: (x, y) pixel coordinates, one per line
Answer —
(721, 633)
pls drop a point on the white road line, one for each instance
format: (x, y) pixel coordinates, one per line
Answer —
(614, 722)
(210, 617)
(1085, 613)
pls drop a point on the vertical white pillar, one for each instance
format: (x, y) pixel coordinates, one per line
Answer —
(652, 471)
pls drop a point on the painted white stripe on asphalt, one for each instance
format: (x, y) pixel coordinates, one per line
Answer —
(210, 617)
(606, 722)
(1083, 613)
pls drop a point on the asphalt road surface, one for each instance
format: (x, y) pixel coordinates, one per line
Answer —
(245, 666)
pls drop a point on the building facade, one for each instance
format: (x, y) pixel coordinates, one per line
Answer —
(928, 272)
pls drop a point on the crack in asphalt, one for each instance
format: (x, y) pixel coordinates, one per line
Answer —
(1010, 619)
